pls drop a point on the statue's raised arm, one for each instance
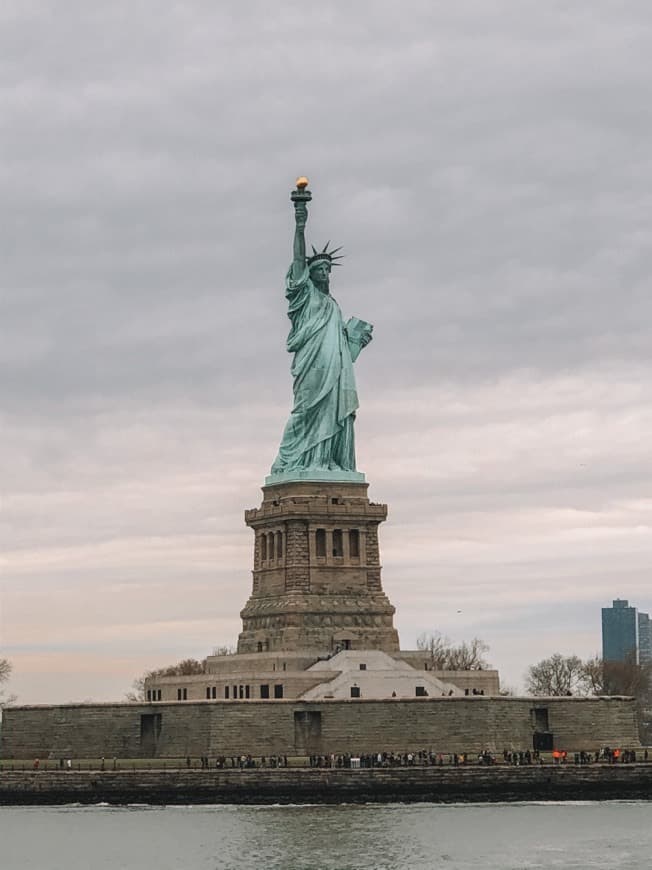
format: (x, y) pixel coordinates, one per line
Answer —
(300, 197)
(318, 442)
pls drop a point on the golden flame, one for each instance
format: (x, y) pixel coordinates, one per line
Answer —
(302, 182)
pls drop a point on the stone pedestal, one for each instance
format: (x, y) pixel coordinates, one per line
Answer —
(316, 577)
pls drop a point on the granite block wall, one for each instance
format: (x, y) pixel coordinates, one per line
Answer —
(298, 728)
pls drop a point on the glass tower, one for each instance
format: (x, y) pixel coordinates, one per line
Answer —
(619, 632)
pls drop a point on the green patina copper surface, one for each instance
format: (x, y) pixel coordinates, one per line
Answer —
(318, 441)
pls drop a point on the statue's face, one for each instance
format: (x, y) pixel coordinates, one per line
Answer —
(320, 274)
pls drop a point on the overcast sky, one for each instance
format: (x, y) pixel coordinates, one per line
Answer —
(487, 166)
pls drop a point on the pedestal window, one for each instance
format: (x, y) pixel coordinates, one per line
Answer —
(354, 543)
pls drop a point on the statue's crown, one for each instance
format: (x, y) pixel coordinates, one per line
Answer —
(327, 255)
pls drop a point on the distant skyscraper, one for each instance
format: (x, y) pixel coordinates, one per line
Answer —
(619, 632)
(644, 639)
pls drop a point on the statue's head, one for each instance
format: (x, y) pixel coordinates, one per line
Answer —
(320, 272)
(320, 265)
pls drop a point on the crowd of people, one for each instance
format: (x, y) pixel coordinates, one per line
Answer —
(420, 758)
(614, 756)
(242, 761)
(604, 755)
(426, 758)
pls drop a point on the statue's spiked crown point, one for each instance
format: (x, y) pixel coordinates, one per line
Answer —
(328, 256)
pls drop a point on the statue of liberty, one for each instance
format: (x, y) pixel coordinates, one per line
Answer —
(318, 440)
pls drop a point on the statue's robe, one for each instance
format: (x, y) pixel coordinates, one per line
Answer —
(319, 433)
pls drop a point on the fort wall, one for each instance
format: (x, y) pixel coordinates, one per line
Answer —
(285, 727)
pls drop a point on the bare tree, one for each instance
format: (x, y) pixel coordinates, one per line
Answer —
(186, 668)
(5, 673)
(5, 670)
(564, 675)
(469, 656)
(594, 682)
(447, 656)
(627, 678)
(437, 647)
(137, 692)
(557, 675)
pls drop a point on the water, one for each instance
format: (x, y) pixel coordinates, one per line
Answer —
(573, 836)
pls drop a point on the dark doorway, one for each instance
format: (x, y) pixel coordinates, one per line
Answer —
(541, 719)
(307, 731)
(150, 730)
(543, 741)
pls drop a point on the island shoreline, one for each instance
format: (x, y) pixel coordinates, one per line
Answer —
(477, 784)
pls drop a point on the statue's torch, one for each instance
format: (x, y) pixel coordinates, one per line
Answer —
(301, 194)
